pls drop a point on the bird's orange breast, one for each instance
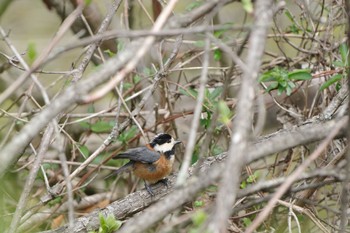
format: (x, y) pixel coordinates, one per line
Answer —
(156, 171)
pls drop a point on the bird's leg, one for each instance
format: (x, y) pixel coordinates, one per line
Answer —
(164, 181)
(148, 188)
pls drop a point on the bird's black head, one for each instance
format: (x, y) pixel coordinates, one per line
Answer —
(163, 142)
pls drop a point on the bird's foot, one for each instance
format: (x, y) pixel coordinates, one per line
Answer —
(149, 189)
(164, 181)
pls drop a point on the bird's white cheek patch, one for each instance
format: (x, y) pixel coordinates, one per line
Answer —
(163, 148)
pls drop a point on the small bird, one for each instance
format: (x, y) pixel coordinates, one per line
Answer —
(152, 162)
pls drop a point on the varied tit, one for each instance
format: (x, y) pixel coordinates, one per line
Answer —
(152, 162)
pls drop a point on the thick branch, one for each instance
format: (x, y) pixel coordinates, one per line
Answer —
(243, 121)
(210, 171)
(72, 95)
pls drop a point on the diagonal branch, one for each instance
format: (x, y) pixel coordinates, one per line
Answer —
(243, 121)
(293, 177)
(73, 94)
(209, 173)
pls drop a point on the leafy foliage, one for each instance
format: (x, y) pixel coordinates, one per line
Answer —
(343, 63)
(282, 80)
(125, 136)
(108, 224)
(32, 52)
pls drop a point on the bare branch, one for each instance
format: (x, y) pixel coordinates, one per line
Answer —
(243, 121)
(285, 186)
(210, 171)
(73, 94)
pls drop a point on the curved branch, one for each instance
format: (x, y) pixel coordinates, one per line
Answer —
(74, 94)
(209, 173)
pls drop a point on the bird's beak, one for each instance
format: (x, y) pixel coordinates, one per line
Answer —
(177, 142)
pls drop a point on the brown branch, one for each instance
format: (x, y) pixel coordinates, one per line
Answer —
(73, 94)
(93, 17)
(242, 124)
(31, 178)
(209, 173)
(294, 176)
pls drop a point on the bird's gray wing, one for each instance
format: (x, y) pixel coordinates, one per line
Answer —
(139, 154)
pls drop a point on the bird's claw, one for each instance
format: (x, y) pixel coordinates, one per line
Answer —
(149, 189)
(164, 181)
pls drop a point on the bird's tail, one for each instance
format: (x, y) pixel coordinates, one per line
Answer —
(124, 168)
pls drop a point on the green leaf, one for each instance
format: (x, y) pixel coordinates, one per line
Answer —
(337, 86)
(120, 46)
(102, 219)
(31, 52)
(127, 86)
(280, 90)
(294, 29)
(335, 78)
(199, 218)
(193, 5)
(282, 80)
(128, 134)
(247, 6)
(291, 84)
(195, 155)
(147, 71)
(198, 203)
(217, 150)
(57, 200)
(288, 91)
(219, 33)
(112, 223)
(276, 74)
(283, 83)
(85, 125)
(344, 52)
(205, 122)
(247, 221)
(273, 85)
(206, 93)
(199, 43)
(136, 79)
(87, 2)
(189, 92)
(224, 113)
(300, 75)
(91, 109)
(109, 53)
(217, 54)
(215, 93)
(84, 151)
(108, 224)
(102, 127)
(289, 15)
(243, 184)
(338, 64)
(253, 177)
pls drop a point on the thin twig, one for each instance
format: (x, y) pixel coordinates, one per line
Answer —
(344, 198)
(36, 64)
(196, 117)
(285, 186)
(163, 17)
(31, 178)
(243, 121)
